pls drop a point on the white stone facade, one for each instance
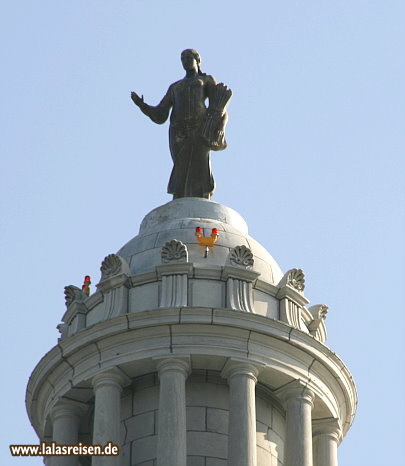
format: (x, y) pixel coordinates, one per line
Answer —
(189, 360)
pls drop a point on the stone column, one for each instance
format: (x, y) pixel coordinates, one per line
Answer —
(107, 412)
(172, 441)
(298, 444)
(326, 435)
(242, 378)
(65, 417)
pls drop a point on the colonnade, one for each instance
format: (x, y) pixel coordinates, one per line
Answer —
(307, 442)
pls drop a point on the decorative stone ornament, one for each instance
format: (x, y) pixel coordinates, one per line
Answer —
(290, 313)
(63, 329)
(239, 295)
(174, 283)
(318, 311)
(241, 256)
(113, 286)
(112, 265)
(294, 278)
(174, 251)
(239, 287)
(317, 326)
(72, 294)
(174, 290)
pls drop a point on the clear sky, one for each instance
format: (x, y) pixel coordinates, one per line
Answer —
(315, 164)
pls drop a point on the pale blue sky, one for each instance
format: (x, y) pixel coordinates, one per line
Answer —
(315, 164)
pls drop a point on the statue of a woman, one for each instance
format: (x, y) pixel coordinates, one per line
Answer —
(194, 128)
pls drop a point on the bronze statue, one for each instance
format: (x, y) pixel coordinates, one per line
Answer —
(194, 128)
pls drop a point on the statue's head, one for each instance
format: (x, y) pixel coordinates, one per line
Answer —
(190, 59)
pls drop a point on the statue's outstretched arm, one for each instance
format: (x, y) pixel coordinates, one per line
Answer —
(158, 114)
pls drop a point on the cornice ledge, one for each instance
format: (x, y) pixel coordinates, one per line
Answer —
(114, 281)
(210, 274)
(92, 334)
(41, 370)
(241, 274)
(266, 287)
(75, 308)
(220, 317)
(292, 294)
(178, 268)
(82, 307)
(93, 300)
(143, 278)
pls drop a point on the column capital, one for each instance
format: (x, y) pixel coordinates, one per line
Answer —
(65, 407)
(180, 364)
(246, 367)
(328, 426)
(111, 377)
(296, 390)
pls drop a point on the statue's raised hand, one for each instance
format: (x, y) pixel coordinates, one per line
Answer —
(137, 100)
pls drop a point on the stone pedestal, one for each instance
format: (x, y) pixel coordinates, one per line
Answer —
(107, 389)
(298, 403)
(326, 434)
(65, 430)
(242, 378)
(172, 440)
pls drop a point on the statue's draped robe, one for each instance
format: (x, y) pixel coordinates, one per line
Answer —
(191, 175)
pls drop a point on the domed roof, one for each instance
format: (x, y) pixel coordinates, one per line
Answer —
(178, 220)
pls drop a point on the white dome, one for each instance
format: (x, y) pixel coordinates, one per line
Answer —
(178, 220)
